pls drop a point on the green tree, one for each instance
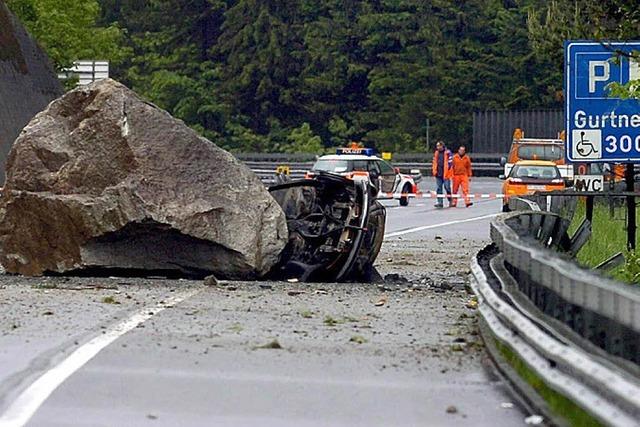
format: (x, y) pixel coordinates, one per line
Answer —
(334, 78)
(340, 132)
(276, 75)
(171, 62)
(261, 56)
(302, 140)
(68, 31)
(561, 20)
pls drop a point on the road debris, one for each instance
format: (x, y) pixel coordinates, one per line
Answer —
(307, 314)
(273, 345)
(534, 420)
(210, 280)
(396, 278)
(452, 409)
(381, 301)
(358, 339)
(457, 347)
(236, 327)
(330, 321)
(442, 286)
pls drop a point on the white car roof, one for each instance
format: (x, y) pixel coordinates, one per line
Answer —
(348, 157)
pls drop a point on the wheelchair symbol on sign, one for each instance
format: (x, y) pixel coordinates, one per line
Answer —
(584, 147)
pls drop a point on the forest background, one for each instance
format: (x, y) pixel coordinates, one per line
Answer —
(303, 75)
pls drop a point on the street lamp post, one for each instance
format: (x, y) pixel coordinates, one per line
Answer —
(427, 134)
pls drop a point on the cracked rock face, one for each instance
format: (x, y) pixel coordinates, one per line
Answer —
(102, 181)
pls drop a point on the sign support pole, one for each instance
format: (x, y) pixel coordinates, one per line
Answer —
(612, 185)
(631, 208)
(427, 134)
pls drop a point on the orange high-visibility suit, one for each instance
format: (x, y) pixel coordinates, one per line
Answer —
(448, 164)
(461, 174)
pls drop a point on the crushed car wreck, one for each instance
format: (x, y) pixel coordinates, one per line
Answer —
(336, 228)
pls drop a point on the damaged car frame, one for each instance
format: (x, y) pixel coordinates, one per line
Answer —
(336, 228)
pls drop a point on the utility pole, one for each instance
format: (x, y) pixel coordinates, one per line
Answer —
(427, 134)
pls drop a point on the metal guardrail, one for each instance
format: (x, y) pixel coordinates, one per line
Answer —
(477, 166)
(599, 309)
(266, 170)
(577, 330)
(397, 157)
(523, 204)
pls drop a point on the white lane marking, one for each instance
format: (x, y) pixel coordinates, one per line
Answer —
(433, 195)
(444, 224)
(29, 401)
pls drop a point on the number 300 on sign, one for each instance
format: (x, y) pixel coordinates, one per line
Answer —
(625, 144)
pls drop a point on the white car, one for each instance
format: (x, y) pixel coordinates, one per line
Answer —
(361, 162)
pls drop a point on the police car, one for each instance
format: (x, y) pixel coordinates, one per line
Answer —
(362, 162)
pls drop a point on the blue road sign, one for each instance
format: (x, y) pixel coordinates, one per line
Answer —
(600, 128)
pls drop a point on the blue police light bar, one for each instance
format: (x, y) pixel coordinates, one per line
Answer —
(362, 151)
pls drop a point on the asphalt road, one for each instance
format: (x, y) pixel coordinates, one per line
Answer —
(472, 222)
(130, 352)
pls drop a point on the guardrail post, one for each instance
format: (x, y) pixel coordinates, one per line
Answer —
(580, 237)
(589, 330)
(590, 209)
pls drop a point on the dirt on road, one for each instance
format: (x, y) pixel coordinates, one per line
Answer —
(422, 305)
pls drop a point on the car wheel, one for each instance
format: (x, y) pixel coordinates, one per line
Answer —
(404, 200)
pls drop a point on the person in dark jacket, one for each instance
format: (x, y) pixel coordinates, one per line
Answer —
(442, 169)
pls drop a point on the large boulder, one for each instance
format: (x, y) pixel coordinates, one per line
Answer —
(102, 181)
(27, 81)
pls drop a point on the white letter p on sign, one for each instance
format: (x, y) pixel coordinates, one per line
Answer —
(603, 76)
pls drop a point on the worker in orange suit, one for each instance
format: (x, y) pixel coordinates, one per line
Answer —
(461, 175)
